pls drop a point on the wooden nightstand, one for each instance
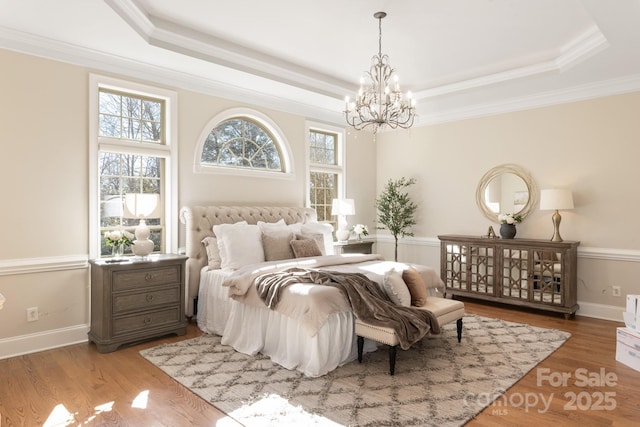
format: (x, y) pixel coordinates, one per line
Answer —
(354, 247)
(136, 299)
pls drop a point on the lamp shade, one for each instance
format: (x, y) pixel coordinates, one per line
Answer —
(141, 205)
(343, 207)
(556, 199)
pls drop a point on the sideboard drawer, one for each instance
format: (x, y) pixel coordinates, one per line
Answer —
(150, 298)
(132, 279)
(125, 324)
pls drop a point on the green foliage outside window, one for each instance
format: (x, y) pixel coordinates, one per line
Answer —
(241, 143)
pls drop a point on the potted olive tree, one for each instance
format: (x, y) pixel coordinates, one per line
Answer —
(396, 211)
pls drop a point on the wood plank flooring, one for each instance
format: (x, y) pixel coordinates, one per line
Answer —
(78, 386)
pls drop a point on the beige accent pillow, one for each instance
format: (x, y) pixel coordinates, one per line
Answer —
(213, 253)
(396, 289)
(319, 239)
(305, 248)
(417, 287)
(320, 228)
(277, 244)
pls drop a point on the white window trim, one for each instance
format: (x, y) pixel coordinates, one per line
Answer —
(262, 119)
(340, 168)
(168, 151)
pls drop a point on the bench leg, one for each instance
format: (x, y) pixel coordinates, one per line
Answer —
(459, 328)
(360, 347)
(392, 359)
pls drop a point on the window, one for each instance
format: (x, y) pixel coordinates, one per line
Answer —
(326, 169)
(245, 142)
(133, 151)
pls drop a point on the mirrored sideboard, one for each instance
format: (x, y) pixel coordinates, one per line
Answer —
(533, 273)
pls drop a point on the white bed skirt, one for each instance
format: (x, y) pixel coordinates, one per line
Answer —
(213, 301)
(252, 330)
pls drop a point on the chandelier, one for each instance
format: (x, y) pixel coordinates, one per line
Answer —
(380, 103)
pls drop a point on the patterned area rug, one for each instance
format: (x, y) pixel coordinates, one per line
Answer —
(437, 382)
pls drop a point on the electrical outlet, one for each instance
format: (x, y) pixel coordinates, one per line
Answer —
(615, 291)
(32, 314)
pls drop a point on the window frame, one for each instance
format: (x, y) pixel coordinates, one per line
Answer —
(168, 151)
(339, 168)
(279, 138)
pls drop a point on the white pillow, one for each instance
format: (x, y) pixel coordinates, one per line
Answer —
(239, 244)
(280, 225)
(213, 252)
(269, 226)
(323, 228)
(229, 225)
(396, 289)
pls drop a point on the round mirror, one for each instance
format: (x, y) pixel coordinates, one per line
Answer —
(506, 189)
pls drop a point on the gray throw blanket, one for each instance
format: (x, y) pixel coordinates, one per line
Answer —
(369, 303)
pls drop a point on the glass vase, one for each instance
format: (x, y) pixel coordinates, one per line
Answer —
(117, 251)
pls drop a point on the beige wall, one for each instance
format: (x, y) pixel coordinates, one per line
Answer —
(591, 147)
(195, 111)
(43, 160)
(45, 191)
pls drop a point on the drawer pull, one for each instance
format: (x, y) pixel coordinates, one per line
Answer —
(149, 298)
(148, 320)
(148, 277)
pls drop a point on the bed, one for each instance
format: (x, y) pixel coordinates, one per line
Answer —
(296, 336)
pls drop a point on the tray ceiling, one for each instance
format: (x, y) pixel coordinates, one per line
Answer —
(461, 59)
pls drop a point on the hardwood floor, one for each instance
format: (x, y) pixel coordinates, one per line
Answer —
(76, 385)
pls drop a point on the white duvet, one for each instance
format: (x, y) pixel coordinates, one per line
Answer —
(312, 304)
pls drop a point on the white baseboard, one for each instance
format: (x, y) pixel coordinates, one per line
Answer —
(33, 343)
(600, 311)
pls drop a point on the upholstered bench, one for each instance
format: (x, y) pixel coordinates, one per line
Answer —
(446, 311)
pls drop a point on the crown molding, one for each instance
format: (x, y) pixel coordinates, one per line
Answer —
(315, 106)
(181, 39)
(312, 106)
(545, 99)
(583, 47)
(184, 40)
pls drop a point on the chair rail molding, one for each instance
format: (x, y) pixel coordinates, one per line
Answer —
(10, 267)
(587, 252)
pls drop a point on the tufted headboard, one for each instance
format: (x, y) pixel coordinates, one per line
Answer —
(199, 222)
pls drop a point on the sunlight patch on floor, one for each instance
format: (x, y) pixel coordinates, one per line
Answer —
(141, 400)
(60, 416)
(262, 412)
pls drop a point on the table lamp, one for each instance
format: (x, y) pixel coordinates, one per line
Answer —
(556, 199)
(142, 206)
(341, 208)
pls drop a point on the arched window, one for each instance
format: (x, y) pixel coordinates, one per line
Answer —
(242, 141)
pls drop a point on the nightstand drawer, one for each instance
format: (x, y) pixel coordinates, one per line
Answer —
(154, 319)
(152, 297)
(133, 279)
